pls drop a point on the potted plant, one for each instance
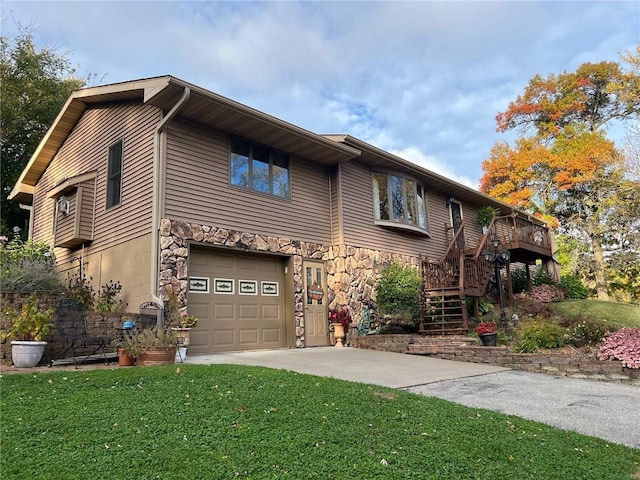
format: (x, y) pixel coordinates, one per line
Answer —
(340, 319)
(488, 333)
(28, 327)
(154, 346)
(127, 350)
(485, 215)
(181, 323)
(185, 324)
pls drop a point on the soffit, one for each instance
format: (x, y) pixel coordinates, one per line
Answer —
(383, 160)
(216, 111)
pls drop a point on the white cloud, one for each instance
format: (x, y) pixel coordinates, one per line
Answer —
(421, 79)
(414, 155)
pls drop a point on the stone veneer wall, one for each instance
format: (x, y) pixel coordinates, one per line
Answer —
(466, 349)
(351, 271)
(98, 324)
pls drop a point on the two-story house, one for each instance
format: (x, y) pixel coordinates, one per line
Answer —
(258, 225)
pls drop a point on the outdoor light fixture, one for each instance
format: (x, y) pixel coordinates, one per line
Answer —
(498, 258)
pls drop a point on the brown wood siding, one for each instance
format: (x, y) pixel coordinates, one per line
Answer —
(198, 190)
(358, 218)
(86, 150)
(439, 220)
(66, 223)
(336, 213)
(87, 208)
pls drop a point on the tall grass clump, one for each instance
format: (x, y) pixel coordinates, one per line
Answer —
(27, 266)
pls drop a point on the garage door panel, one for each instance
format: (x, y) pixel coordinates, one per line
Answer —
(224, 338)
(271, 336)
(224, 263)
(248, 312)
(225, 311)
(248, 337)
(271, 312)
(248, 265)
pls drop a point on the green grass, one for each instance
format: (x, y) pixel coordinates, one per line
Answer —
(617, 314)
(220, 421)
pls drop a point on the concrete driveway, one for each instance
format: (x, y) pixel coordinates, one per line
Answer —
(605, 410)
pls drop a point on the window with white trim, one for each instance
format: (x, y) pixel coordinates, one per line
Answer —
(259, 168)
(399, 200)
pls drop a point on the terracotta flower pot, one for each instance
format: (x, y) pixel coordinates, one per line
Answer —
(124, 359)
(157, 356)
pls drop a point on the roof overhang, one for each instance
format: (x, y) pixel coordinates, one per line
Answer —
(203, 106)
(70, 184)
(379, 158)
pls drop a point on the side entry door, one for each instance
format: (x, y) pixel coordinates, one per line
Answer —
(455, 210)
(316, 320)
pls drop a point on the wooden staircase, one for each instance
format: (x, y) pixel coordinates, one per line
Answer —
(463, 271)
(445, 312)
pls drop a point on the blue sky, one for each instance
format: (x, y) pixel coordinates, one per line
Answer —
(423, 80)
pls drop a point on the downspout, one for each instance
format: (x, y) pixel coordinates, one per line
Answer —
(156, 203)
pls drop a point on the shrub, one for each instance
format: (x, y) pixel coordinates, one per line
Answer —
(519, 280)
(484, 307)
(398, 291)
(547, 293)
(539, 333)
(29, 323)
(586, 331)
(573, 287)
(623, 345)
(79, 288)
(27, 266)
(540, 276)
(528, 307)
(106, 300)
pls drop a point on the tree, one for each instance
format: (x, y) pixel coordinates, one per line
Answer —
(566, 170)
(35, 84)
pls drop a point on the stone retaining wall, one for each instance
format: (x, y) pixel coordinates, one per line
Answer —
(467, 350)
(99, 324)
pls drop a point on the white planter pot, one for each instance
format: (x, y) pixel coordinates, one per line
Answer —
(181, 354)
(26, 354)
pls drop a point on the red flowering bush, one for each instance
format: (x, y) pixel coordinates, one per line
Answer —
(547, 293)
(623, 345)
(341, 316)
(484, 328)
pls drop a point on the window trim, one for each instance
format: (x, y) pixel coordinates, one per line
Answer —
(111, 176)
(272, 165)
(401, 225)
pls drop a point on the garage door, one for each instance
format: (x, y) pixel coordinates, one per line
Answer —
(238, 299)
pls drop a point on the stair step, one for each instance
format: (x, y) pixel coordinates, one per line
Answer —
(446, 331)
(439, 324)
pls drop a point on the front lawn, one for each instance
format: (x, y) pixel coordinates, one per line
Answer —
(615, 313)
(220, 421)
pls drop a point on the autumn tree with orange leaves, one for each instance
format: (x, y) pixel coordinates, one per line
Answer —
(564, 169)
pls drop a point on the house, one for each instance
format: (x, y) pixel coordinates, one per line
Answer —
(159, 183)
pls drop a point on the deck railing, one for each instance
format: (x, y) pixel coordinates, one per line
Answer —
(471, 272)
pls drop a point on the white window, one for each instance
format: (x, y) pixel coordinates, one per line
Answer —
(399, 200)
